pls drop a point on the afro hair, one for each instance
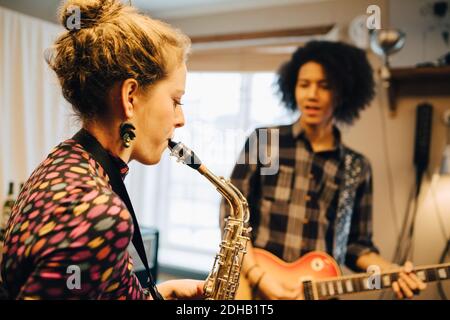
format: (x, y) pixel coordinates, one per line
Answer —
(347, 70)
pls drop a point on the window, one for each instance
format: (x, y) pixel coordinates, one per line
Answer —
(220, 109)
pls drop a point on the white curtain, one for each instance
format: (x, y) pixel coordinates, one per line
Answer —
(33, 112)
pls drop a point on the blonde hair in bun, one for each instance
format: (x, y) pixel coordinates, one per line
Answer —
(113, 42)
(92, 12)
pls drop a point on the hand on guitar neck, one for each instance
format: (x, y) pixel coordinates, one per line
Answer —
(407, 284)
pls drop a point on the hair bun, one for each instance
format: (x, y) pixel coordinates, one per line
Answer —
(92, 12)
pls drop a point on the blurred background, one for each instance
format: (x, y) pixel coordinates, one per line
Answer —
(237, 47)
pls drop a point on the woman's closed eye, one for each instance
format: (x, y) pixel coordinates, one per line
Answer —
(176, 103)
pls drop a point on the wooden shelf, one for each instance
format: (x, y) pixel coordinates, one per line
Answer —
(297, 32)
(428, 76)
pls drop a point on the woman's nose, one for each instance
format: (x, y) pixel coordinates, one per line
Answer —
(179, 117)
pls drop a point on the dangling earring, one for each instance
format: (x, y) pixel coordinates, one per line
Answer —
(127, 133)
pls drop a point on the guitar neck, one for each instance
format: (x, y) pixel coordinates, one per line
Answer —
(333, 287)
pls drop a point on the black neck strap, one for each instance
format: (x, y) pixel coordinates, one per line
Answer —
(91, 145)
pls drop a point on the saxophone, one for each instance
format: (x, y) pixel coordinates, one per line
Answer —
(223, 280)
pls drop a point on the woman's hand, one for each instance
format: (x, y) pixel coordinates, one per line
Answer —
(272, 289)
(181, 289)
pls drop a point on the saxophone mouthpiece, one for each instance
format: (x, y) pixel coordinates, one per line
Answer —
(172, 144)
(184, 154)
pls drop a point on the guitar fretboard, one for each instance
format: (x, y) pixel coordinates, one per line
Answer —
(368, 282)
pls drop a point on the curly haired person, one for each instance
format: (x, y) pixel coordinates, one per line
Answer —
(299, 209)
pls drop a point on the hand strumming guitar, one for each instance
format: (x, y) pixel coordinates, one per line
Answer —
(269, 287)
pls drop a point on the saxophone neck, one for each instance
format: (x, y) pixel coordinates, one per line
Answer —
(235, 198)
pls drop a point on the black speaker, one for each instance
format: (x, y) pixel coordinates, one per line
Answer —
(424, 117)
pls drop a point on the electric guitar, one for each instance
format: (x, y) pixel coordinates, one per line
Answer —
(321, 276)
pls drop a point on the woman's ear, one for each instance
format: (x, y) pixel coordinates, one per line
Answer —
(129, 92)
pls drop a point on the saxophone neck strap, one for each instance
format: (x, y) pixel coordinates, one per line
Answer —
(91, 145)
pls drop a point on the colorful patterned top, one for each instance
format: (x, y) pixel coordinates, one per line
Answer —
(69, 232)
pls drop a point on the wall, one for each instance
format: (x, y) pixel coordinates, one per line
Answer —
(291, 16)
(282, 17)
(45, 10)
(429, 237)
(424, 41)
(391, 155)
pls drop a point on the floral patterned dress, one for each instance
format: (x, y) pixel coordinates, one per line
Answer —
(68, 234)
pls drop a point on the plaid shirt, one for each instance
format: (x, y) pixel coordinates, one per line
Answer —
(293, 211)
